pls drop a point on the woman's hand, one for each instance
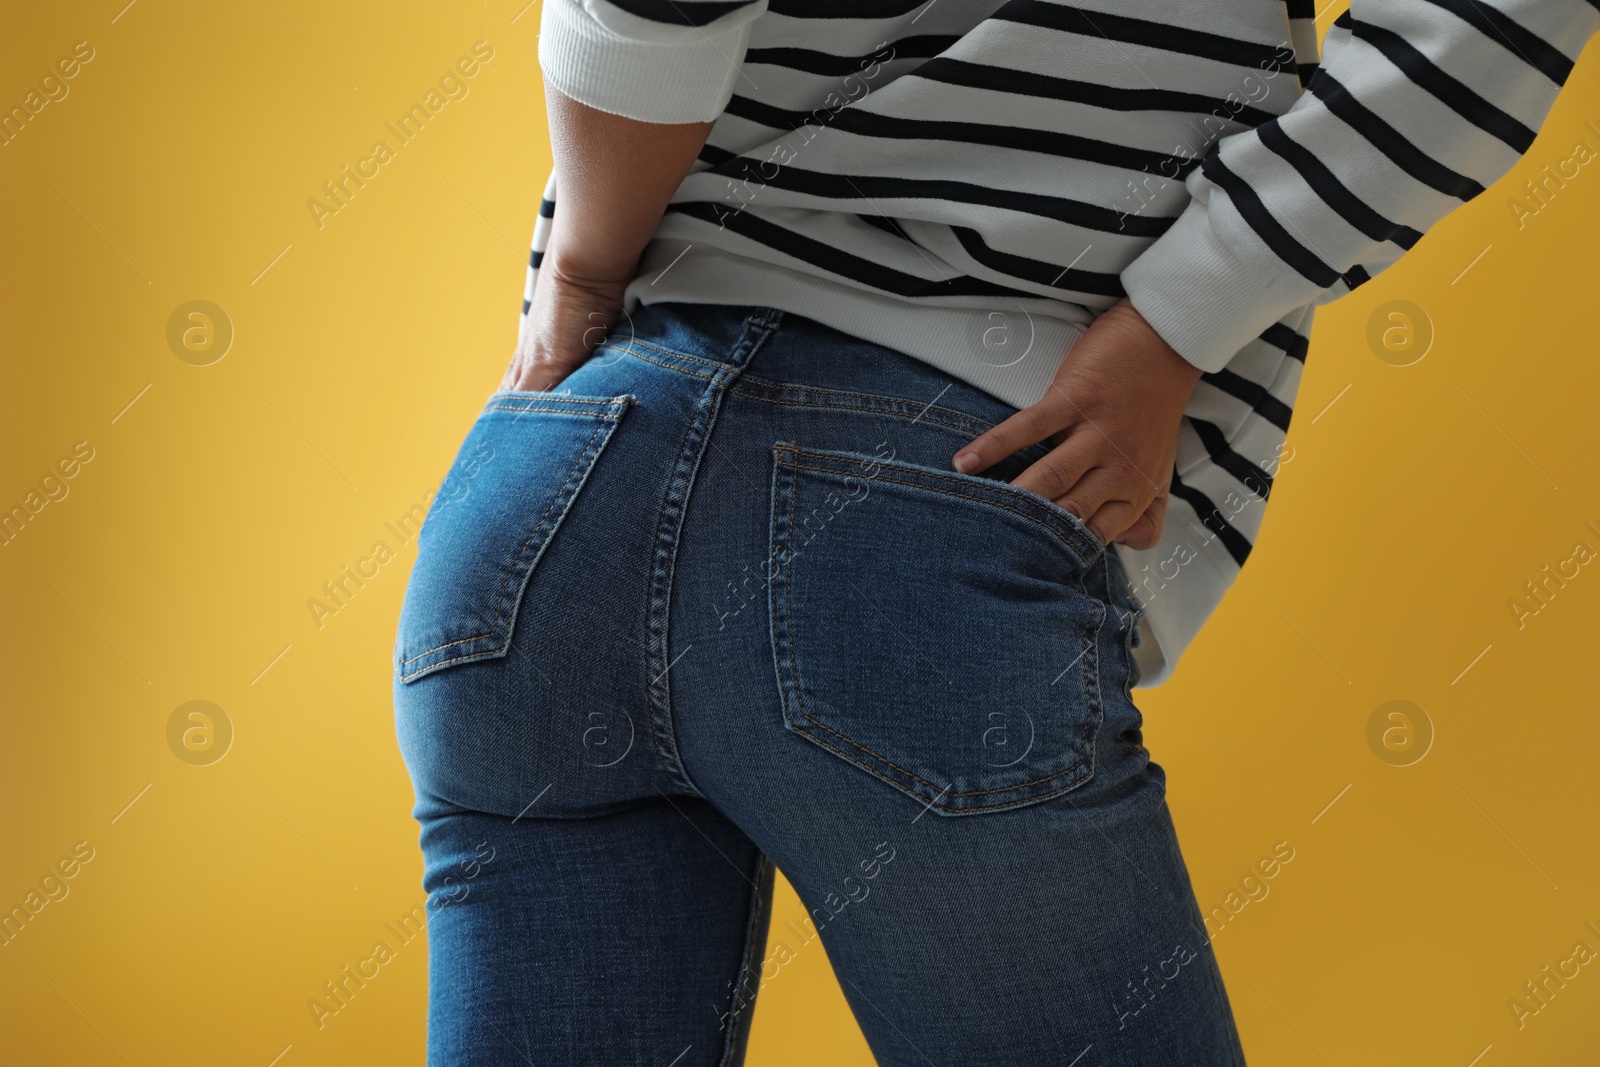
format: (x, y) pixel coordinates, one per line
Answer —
(570, 316)
(614, 178)
(1113, 412)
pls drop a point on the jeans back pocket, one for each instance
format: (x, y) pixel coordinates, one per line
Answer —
(932, 627)
(514, 480)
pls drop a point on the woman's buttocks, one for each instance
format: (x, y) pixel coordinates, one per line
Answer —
(949, 634)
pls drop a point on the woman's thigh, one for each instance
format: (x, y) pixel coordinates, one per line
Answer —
(912, 690)
(611, 940)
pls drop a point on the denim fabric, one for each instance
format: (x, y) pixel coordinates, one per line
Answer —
(719, 603)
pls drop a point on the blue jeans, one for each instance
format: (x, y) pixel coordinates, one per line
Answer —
(719, 603)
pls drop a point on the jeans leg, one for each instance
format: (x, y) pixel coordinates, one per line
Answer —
(1052, 934)
(1038, 934)
(626, 938)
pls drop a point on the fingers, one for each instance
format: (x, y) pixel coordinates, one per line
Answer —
(1060, 470)
(1076, 475)
(509, 379)
(529, 380)
(1144, 533)
(528, 374)
(1099, 499)
(560, 336)
(1029, 426)
(1112, 520)
(1146, 530)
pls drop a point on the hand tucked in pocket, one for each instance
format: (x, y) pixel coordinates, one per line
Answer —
(1113, 412)
(615, 176)
(571, 315)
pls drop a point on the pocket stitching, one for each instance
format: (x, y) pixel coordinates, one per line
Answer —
(873, 403)
(601, 419)
(792, 669)
(964, 430)
(1004, 488)
(947, 793)
(500, 596)
(665, 351)
(630, 350)
(561, 411)
(961, 422)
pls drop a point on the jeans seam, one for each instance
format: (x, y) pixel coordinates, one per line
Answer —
(628, 350)
(664, 350)
(660, 718)
(676, 497)
(876, 404)
(1097, 709)
(567, 405)
(742, 1014)
(875, 401)
(977, 425)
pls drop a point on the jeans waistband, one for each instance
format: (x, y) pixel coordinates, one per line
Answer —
(714, 335)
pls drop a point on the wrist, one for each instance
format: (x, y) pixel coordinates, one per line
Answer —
(1157, 356)
(588, 269)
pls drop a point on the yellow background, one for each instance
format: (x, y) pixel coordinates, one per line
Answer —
(1418, 501)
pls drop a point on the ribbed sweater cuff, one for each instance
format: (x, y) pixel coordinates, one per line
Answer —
(1200, 296)
(687, 80)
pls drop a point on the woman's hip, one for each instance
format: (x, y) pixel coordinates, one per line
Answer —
(773, 498)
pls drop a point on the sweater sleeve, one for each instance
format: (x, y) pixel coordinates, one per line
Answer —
(667, 61)
(1417, 106)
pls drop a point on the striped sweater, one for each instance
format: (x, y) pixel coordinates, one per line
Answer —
(972, 181)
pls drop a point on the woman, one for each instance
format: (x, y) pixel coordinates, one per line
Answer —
(822, 517)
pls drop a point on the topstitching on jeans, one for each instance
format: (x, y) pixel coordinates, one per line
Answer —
(566, 409)
(632, 349)
(500, 597)
(805, 394)
(1092, 714)
(802, 394)
(675, 498)
(975, 499)
(1083, 545)
(762, 318)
